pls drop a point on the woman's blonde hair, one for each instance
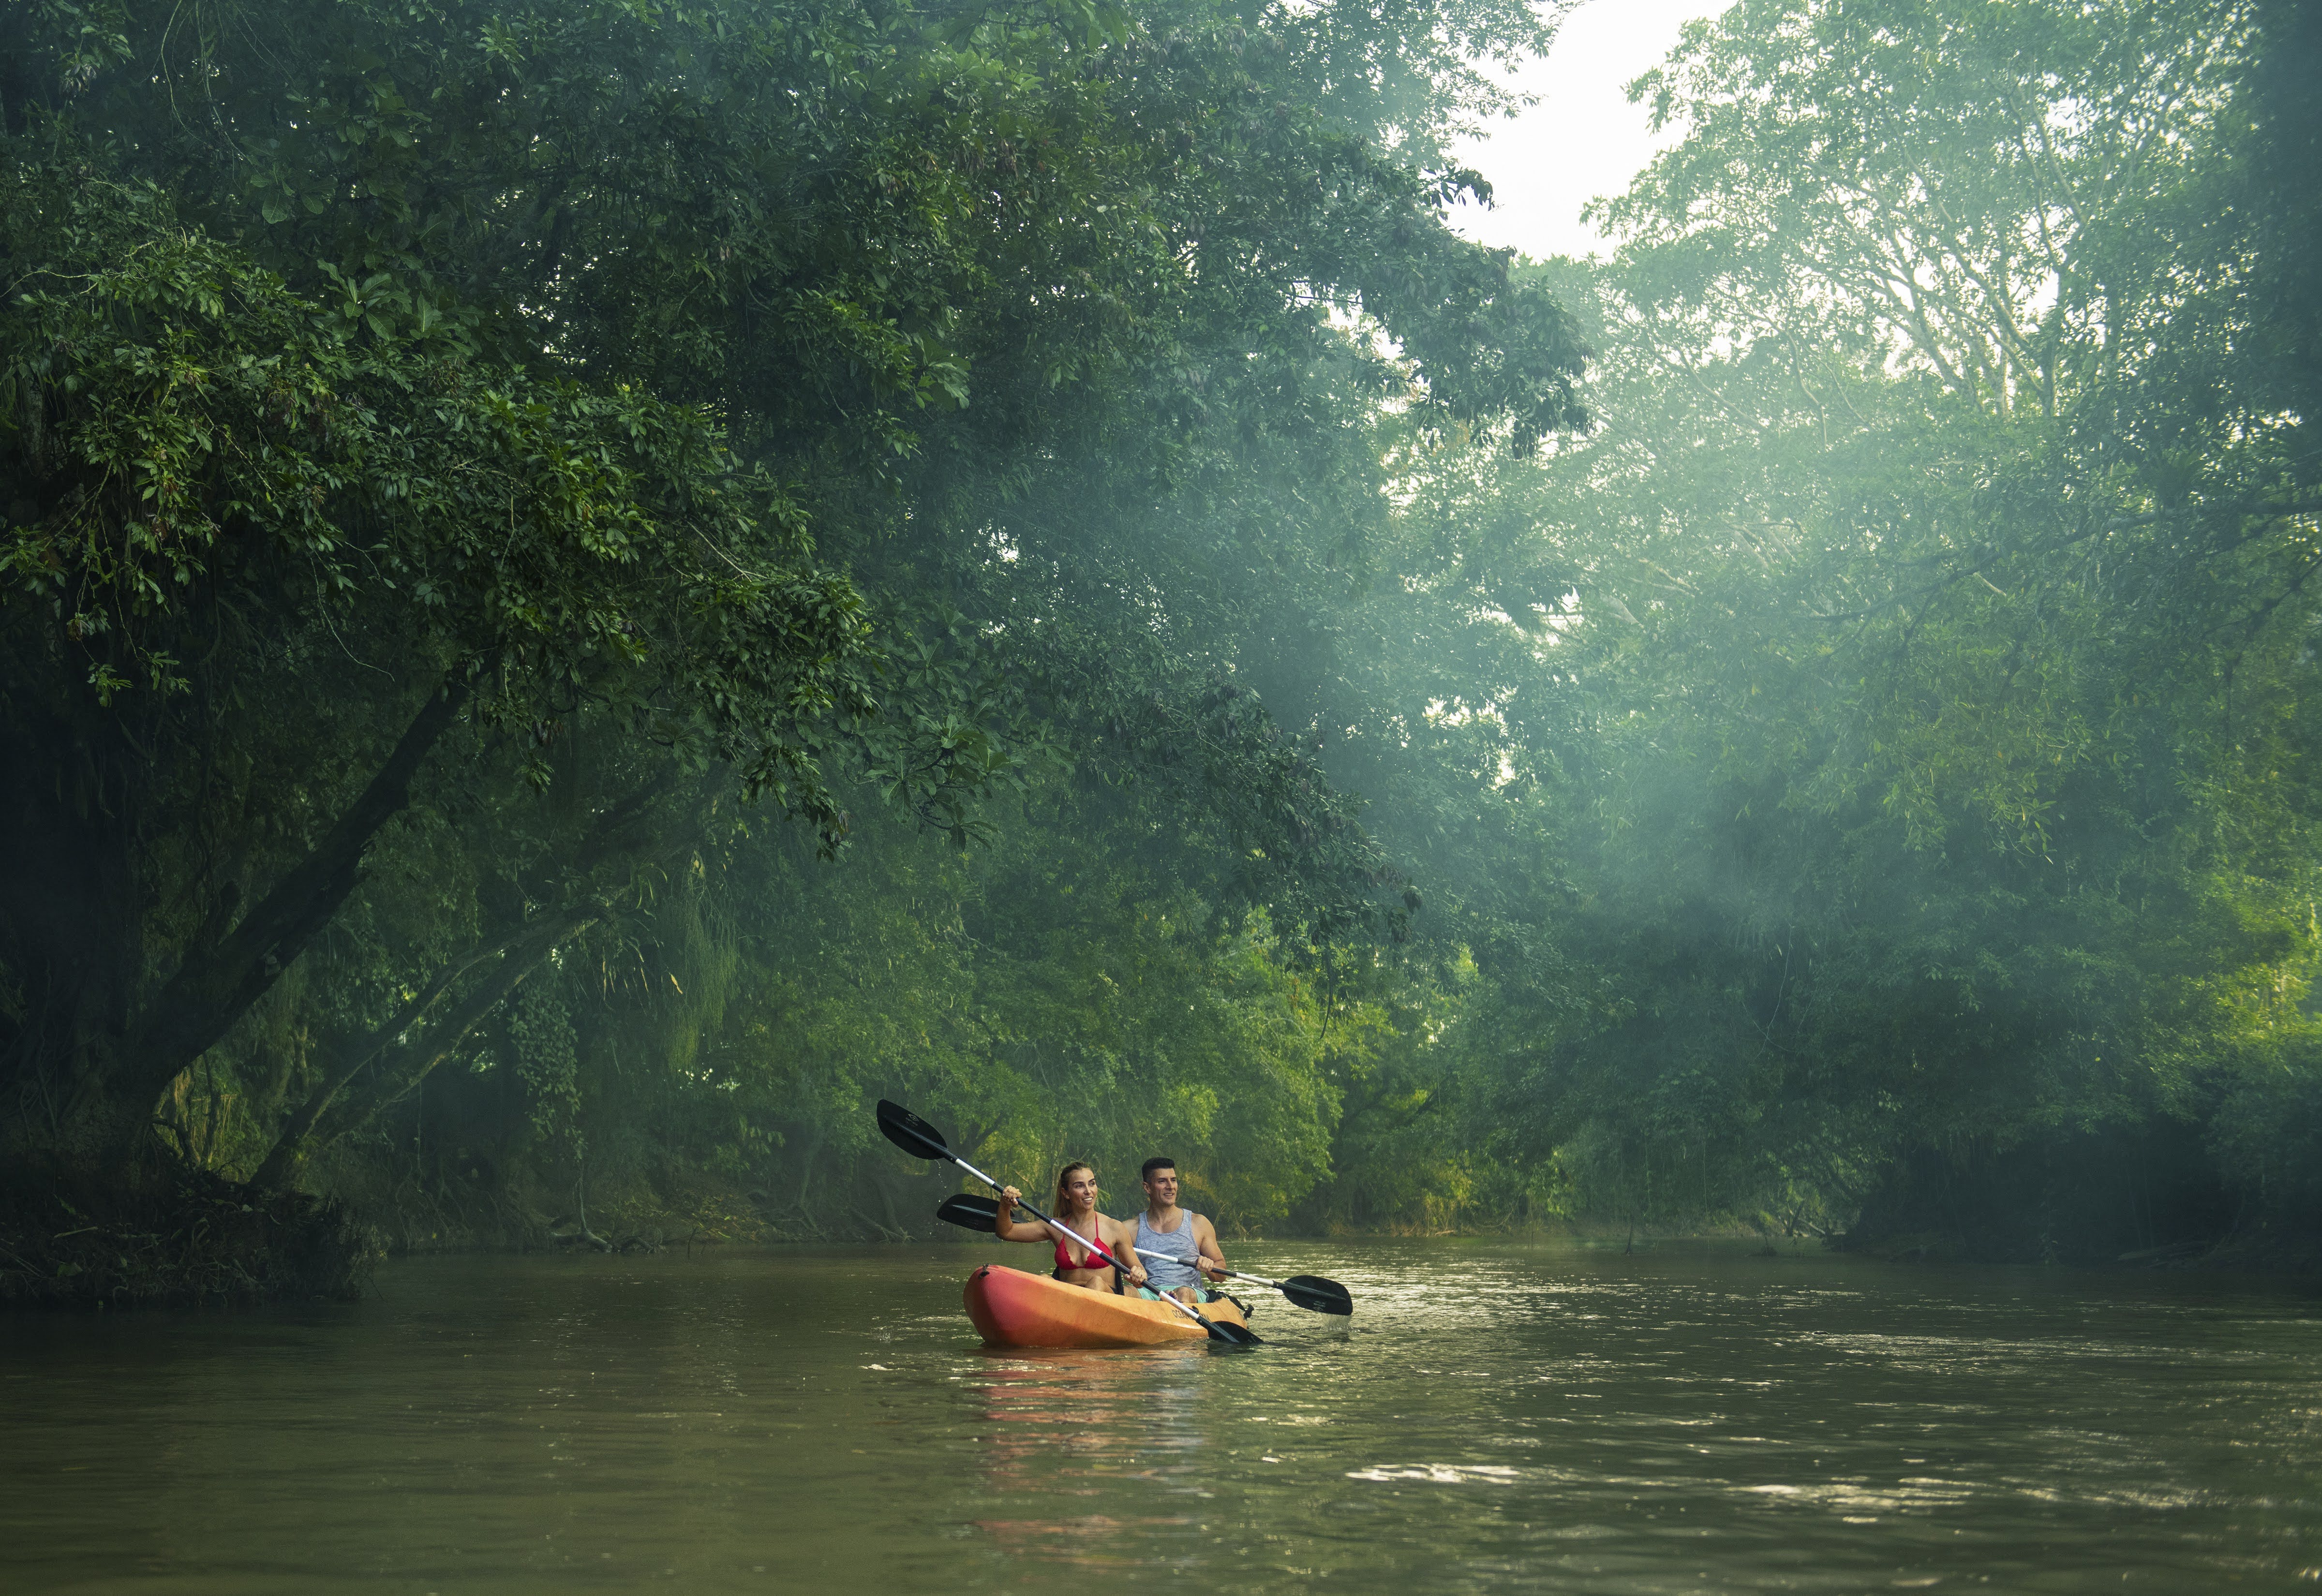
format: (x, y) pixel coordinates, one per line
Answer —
(1065, 1174)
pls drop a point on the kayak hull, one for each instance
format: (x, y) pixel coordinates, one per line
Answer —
(1013, 1308)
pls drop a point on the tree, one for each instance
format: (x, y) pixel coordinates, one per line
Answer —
(1937, 583)
(438, 432)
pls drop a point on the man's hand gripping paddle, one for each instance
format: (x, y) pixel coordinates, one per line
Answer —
(1311, 1291)
(916, 1138)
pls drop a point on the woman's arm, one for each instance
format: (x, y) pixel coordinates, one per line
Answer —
(1121, 1237)
(1005, 1228)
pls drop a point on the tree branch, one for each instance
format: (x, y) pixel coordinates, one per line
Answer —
(519, 955)
(217, 983)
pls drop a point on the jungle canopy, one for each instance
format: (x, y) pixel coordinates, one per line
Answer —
(590, 588)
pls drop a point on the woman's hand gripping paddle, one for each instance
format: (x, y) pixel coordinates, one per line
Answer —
(916, 1138)
(1310, 1292)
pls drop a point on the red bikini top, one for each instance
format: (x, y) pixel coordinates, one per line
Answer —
(1068, 1258)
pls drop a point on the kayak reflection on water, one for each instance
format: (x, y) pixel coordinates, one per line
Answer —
(1077, 1434)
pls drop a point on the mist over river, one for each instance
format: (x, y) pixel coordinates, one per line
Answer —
(1496, 1416)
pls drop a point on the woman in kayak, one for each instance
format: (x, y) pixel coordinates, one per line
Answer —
(1077, 1222)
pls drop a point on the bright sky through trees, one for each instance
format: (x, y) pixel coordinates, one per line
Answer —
(1582, 139)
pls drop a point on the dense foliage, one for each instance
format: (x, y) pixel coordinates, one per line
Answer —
(1933, 770)
(590, 588)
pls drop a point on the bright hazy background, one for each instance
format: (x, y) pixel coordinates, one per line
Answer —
(1582, 139)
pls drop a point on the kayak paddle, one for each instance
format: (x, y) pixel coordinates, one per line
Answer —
(916, 1138)
(1310, 1292)
(970, 1212)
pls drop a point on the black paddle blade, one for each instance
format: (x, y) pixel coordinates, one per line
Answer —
(1231, 1334)
(912, 1133)
(1313, 1293)
(970, 1213)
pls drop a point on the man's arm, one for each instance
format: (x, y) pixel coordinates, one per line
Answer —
(1205, 1245)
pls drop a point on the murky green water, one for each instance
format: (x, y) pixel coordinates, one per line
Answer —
(1497, 1418)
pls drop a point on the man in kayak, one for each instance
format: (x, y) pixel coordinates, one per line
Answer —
(1077, 1221)
(1189, 1240)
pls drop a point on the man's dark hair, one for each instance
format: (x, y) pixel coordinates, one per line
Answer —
(1156, 1164)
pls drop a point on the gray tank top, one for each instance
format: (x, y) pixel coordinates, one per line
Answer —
(1162, 1274)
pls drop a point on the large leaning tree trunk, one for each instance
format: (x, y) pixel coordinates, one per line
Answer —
(217, 983)
(92, 1054)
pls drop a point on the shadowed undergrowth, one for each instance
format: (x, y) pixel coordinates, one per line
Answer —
(180, 1237)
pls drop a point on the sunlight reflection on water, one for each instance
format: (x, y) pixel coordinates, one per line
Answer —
(1495, 1418)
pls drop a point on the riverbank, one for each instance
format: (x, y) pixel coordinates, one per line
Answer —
(194, 1237)
(178, 1237)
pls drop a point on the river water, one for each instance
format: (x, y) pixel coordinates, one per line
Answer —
(1496, 1416)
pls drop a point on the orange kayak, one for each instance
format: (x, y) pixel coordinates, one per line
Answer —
(1013, 1308)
